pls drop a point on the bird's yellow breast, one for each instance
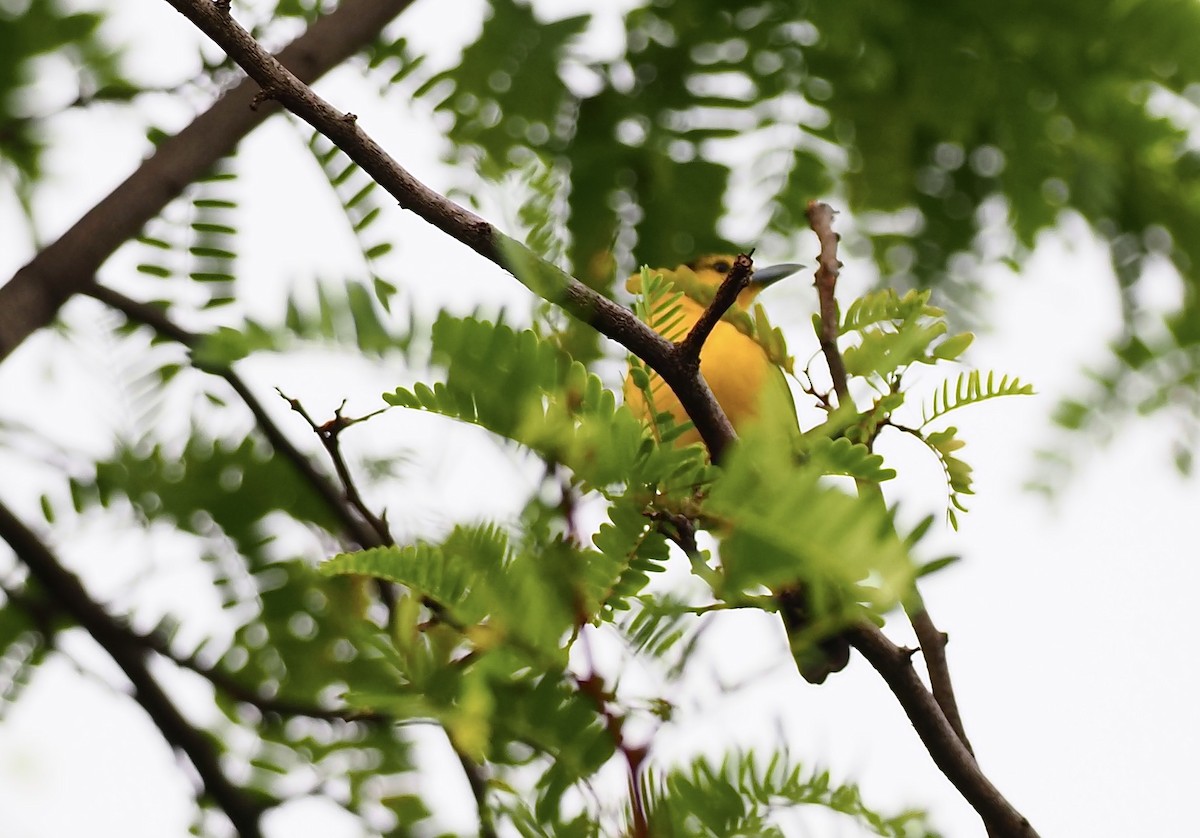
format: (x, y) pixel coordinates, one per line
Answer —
(736, 367)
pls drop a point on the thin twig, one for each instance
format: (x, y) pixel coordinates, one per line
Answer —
(933, 643)
(931, 713)
(735, 283)
(933, 650)
(355, 528)
(329, 433)
(242, 809)
(592, 685)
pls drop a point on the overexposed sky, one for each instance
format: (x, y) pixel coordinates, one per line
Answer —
(1069, 618)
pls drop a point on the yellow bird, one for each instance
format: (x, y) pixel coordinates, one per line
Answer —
(750, 388)
(744, 380)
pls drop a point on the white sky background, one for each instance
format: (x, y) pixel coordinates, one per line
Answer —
(1071, 642)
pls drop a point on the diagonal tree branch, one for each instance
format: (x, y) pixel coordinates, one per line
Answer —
(618, 323)
(242, 809)
(949, 752)
(31, 299)
(607, 317)
(933, 650)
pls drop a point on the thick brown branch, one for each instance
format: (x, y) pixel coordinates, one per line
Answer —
(33, 296)
(940, 739)
(820, 218)
(243, 810)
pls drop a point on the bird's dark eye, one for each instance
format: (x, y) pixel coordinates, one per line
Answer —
(721, 266)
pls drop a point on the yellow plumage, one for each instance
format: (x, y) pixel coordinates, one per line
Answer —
(741, 375)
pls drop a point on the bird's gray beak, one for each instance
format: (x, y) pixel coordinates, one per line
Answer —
(770, 275)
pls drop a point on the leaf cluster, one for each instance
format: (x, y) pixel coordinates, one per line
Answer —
(487, 608)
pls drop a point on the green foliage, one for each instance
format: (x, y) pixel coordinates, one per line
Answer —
(927, 145)
(196, 237)
(304, 643)
(958, 474)
(209, 482)
(742, 796)
(359, 199)
(345, 314)
(34, 31)
(784, 523)
(300, 638)
(393, 58)
(969, 389)
(614, 157)
(512, 70)
(838, 455)
(23, 646)
(475, 578)
(895, 332)
(892, 332)
(529, 391)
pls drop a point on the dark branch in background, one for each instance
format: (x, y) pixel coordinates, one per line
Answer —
(242, 809)
(359, 524)
(50, 618)
(31, 299)
(607, 317)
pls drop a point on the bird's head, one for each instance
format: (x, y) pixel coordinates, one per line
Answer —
(701, 277)
(712, 270)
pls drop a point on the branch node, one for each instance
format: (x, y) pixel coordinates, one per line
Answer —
(266, 94)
